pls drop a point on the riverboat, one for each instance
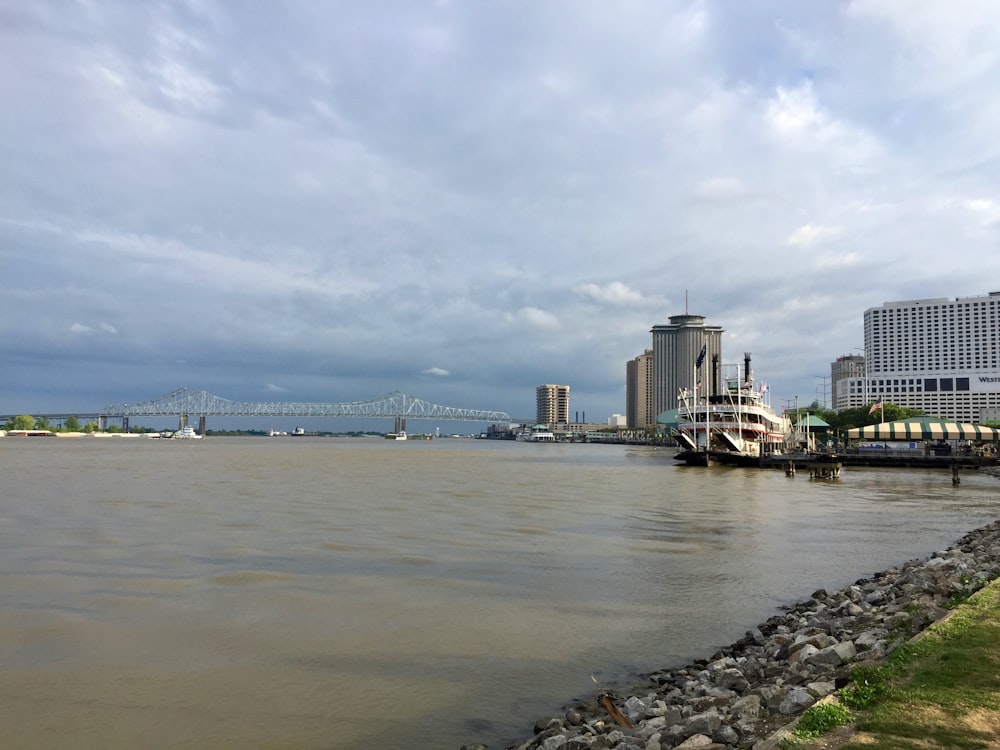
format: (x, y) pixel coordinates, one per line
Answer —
(736, 427)
(187, 432)
(537, 434)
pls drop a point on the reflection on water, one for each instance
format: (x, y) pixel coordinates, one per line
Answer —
(314, 593)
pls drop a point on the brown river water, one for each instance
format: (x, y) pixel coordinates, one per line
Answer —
(322, 593)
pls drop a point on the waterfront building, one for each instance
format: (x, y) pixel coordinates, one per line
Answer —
(677, 348)
(850, 368)
(552, 405)
(639, 410)
(941, 356)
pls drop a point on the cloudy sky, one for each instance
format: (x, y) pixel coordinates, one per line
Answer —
(329, 201)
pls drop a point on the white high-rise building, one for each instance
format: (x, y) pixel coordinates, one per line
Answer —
(941, 356)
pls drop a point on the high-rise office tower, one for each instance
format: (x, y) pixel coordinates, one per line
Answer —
(685, 351)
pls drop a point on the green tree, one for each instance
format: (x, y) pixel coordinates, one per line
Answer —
(858, 416)
(90, 427)
(72, 424)
(23, 422)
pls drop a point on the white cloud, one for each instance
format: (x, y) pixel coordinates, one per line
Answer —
(810, 234)
(536, 318)
(85, 330)
(988, 211)
(840, 260)
(955, 41)
(799, 121)
(331, 195)
(185, 86)
(795, 111)
(719, 188)
(613, 293)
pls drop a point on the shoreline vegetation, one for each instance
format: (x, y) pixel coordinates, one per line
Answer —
(939, 690)
(904, 659)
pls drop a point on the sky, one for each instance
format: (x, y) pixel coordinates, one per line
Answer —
(331, 201)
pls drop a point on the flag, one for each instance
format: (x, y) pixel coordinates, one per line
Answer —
(701, 357)
(875, 407)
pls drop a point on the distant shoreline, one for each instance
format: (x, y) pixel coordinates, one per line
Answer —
(50, 433)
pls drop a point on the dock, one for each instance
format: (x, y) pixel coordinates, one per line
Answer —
(881, 459)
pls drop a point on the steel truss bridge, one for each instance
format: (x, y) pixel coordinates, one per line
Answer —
(185, 403)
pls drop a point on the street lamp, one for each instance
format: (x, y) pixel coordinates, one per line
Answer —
(824, 378)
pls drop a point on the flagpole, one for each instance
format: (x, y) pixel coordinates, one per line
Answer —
(697, 366)
(694, 402)
(708, 439)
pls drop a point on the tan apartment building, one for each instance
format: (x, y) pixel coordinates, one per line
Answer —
(639, 409)
(552, 405)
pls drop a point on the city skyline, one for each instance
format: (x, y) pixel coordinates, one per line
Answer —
(330, 203)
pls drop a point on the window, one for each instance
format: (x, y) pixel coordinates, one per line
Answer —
(930, 384)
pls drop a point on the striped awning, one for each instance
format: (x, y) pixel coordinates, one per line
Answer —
(917, 429)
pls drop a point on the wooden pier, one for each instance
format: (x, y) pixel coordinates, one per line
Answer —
(880, 459)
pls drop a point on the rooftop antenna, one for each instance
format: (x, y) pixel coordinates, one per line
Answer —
(685, 301)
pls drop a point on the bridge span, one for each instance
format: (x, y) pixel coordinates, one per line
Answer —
(185, 403)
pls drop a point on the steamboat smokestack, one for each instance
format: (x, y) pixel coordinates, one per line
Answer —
(746, 367)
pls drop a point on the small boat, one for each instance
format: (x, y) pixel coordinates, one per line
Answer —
(537, 434)
(187, 432)
(401, 435)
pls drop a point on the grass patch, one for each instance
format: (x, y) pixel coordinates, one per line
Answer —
(941, 691)
(868, 686)
(822, 718)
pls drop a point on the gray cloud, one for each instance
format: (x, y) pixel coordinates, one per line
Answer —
(463, 201)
